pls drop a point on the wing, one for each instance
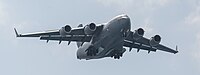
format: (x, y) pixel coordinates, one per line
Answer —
(77, 38)
(138, 46)
(144, 43)
(76, 34)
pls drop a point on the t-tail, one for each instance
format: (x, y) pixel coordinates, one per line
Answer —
(79, 43)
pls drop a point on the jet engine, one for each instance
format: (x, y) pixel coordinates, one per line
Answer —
(155, 40)
(65, 30)
(89, 29)
(138, 34)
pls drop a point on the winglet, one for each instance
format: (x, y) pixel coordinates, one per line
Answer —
(176, 49)
(17, 35)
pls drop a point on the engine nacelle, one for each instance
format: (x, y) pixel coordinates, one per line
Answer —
(138, 34)
(65, 30)
(89, 29)
(155, 40)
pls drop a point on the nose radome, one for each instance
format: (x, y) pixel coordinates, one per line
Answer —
(124, 16)
(125, 19)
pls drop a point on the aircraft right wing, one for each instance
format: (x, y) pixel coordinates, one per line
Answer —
(138, 46)
(136, 40)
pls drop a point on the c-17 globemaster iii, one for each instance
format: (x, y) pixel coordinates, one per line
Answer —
(103, 40)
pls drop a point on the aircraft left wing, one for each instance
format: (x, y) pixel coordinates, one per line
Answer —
(37, 34)
(135, 40)
(72, 34)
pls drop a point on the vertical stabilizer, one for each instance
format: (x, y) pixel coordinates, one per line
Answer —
(79, 43)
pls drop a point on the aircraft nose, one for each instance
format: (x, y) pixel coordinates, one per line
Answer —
(124, 20)
(124, 16)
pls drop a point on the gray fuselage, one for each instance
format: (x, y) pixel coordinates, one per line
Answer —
(109, 40)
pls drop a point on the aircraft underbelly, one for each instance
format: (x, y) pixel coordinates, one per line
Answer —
(113, 39)
(108, 40)
(110, 44)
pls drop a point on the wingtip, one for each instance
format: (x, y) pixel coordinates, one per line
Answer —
(17, 35)
(176, 49)
(175, 52)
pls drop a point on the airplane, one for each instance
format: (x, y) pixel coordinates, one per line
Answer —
(95, 41)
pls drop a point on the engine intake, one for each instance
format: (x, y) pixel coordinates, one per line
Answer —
(65, 30)
(138, 34)
(89, 29)
(154, 41)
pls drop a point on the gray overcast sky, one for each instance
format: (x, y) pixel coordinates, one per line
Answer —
(177, 21)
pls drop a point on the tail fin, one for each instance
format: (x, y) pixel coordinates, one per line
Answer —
(79, 43)
(80, 25)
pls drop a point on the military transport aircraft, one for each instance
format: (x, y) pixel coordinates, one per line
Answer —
(103, 40)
